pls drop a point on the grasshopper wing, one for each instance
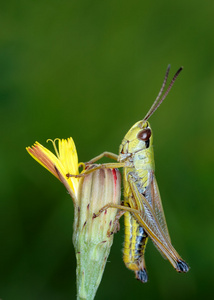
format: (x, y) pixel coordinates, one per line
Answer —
(152, 195)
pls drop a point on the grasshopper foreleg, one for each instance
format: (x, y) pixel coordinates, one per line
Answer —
(97, 167)
(104, 154)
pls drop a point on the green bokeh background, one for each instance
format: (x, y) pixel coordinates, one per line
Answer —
(90, 70)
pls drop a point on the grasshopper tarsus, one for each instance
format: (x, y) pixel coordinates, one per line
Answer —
(141, 275)
(116, 228)
(68, 175)
(116, 225)
(109, 233)
(99, 212)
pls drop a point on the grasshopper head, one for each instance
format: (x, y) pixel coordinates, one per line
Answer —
(138, 138)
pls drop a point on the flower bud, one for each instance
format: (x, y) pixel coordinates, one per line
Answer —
(91, 237)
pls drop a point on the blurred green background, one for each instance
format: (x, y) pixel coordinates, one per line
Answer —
(90, 70)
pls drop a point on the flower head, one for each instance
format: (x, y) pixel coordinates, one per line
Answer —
(63, 162)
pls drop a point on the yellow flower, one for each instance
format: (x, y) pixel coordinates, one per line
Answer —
(65, 161)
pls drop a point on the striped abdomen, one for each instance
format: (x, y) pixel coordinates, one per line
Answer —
(134, 247)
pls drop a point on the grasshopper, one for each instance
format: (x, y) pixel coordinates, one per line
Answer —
(142, 207)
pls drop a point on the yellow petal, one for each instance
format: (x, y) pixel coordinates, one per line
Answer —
(65, 162)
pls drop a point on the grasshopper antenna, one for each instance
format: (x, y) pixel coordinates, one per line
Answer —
(158, 102)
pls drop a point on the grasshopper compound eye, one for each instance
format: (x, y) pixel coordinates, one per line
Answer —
(144, 135)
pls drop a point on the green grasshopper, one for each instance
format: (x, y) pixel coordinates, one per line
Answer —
(144, 215)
